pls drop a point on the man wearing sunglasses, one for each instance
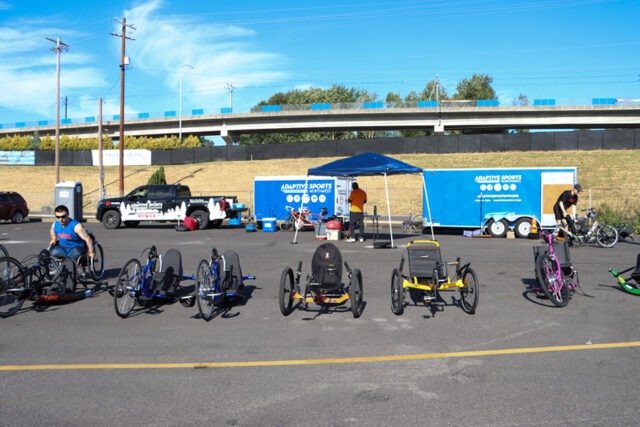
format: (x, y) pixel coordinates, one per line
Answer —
(68, 236)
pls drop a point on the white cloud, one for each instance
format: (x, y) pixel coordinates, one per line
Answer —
(218, 54)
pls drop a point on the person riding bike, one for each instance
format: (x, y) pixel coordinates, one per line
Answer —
(568, 198)
(69, 238)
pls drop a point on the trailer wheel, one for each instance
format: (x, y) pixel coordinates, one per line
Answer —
(523, 228)
(498, 228)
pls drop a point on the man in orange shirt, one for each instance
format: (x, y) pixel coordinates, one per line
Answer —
(357, 198)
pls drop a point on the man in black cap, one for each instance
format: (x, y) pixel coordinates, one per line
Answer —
(567, 199)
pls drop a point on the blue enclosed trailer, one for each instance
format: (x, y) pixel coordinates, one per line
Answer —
(273, 194)
(494, 200)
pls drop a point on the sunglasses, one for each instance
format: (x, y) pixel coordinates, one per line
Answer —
(61, 216)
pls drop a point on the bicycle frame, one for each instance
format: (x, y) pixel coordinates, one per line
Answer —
(552, 280)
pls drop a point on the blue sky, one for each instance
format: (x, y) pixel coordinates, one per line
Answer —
(568, 50)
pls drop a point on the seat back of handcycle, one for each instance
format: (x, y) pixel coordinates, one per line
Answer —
(425, 262)
(326, 267)
(167, 280)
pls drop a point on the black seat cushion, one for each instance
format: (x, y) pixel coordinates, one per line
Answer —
(166, 281)
(231, 271)
(326, 266)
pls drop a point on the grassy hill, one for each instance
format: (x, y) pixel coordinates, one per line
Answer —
(610, 177)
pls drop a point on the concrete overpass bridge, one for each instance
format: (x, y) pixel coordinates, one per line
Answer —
(361, 117)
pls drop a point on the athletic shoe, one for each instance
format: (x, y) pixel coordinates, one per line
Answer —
(351, 240)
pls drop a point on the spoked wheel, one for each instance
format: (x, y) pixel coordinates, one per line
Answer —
(287, 224)
(557, 293)
(397, 293)
(3, 252)
(66, 275)
(607, 236)
(286, 291)
(469, 293)
(13, 283)
(204, 290)
(97, 263)
(355, 293)
(124, 294)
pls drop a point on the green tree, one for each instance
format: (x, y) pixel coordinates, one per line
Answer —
(34, 142)
(478, 87)
(157, 177)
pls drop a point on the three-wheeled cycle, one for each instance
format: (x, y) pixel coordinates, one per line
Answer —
(219, 283)
(46, 279)
(157, 281)
(428, 276)
(324, 286)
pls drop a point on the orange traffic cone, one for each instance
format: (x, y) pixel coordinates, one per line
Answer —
(534, 233)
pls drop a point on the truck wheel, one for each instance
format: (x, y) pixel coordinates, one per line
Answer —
(523, 228)
(202, 218)
(498, 228)
(111, 219)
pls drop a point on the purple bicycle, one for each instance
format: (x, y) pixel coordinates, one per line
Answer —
(557, 278)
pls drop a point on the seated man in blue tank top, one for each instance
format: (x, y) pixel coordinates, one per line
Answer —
(68, 236)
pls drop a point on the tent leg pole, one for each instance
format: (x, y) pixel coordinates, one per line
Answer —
(386, 190)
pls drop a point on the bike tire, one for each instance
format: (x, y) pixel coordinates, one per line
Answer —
(97, 264)
(126, 288)
(557, 293)
(469, 294)
(12, 278)
(204, 290)
(607, 236)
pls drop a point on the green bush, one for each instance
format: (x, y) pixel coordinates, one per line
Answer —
(629, 215)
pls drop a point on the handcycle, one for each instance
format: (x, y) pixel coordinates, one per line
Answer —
(428, 275)
(43, 278)
(219, 282)
(299, 220)
(324, 286)
(630, 284)
(158, 281)
(556, 276)
(590, 231)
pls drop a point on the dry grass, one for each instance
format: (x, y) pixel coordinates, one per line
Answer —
(610, 177)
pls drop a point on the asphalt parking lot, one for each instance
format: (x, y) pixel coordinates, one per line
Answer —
(517, 361)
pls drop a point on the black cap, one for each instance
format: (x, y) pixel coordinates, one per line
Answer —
(578, 187)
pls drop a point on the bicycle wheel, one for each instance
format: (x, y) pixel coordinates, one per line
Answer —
(127, 286)
(3, 252)
(355, 293)
(286, 291)
(97, 266)
(287, 224)
(397, 293)
(607, 236)
(552, 284)
(417, 223)
(204, 290)
(13, 282)
(469, 294)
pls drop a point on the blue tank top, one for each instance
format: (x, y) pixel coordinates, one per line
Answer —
(67, 237)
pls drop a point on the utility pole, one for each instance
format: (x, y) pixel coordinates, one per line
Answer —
(100, 147)
(229, 86)
(58, 49)
(124, 61)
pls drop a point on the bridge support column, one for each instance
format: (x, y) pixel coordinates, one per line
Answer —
(228, 137)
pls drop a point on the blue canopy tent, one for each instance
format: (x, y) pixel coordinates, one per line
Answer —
(370, 164)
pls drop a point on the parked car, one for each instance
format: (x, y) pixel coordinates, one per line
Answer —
(13, 207)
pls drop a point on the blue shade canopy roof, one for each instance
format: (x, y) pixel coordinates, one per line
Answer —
(365, 164)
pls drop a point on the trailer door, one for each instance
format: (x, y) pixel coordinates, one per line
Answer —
(552, 185)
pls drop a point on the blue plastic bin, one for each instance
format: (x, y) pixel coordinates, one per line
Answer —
(268, 225)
